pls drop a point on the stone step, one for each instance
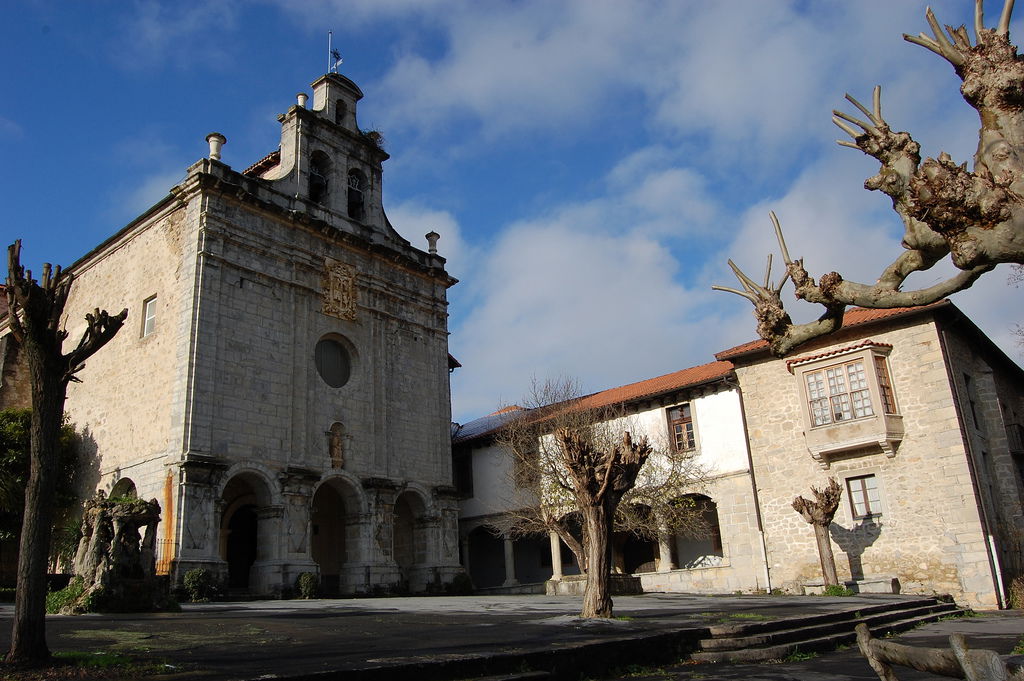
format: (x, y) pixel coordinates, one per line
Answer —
(801, 629)
(736, 629)
(819, 637)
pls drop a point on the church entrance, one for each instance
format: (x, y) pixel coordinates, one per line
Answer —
(241, 549)
(333, 504)
(240, 532)
(409, 543)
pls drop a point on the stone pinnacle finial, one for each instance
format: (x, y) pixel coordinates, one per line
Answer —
(216, 141)
(301, 99)
(432, 238)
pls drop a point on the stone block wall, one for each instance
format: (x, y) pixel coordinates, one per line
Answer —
(129, 406)
(260, 318)
(929, 533)
(742, 566)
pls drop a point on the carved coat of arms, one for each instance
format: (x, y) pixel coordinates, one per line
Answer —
(339, 290)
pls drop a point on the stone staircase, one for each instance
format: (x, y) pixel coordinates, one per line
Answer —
(778, 639)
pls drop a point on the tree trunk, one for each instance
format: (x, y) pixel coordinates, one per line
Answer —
(597, 602)
(828, 559)
(28, 635)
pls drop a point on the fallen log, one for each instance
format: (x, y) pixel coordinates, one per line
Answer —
(957, 662)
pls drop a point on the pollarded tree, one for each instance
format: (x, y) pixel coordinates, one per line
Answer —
(975, 218)
(34, 320)
(574, 457)
(819, 514)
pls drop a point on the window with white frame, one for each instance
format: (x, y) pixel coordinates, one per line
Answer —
(148, 316)
(681, 429)
(838, 393)
(864, 496)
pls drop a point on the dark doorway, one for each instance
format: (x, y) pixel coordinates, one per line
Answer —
(241, 546)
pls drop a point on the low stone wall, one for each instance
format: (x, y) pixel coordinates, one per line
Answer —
(574, 585)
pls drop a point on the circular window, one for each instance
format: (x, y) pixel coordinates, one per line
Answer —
(333, 362)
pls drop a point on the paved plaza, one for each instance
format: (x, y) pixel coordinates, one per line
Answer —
(466, 637)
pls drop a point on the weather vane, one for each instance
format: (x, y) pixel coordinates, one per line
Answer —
(334, 57)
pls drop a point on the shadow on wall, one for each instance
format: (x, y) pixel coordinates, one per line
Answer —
(855, 541)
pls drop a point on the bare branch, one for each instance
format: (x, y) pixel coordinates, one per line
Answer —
(1003, 28)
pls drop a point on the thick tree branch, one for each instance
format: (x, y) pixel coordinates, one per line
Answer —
(976, 218)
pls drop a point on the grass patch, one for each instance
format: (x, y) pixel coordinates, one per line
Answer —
(722, 617)
(799, 656)
(834, 590)
(1019, 648)
(86, 666)
(99, 660)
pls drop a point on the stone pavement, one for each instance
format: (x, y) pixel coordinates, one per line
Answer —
(999, 631)
(466, 637)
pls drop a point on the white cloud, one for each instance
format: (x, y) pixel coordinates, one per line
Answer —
(177, 33)
(133, 199)
(591, 290)
(10, 129)
(413, 220)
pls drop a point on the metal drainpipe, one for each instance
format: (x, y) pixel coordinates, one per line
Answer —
(753, 488)
(993, 560)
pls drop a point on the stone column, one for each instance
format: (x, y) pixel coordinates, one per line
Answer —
(510, 564)
(664, 552)
(556, 556)
(199, 517)
(464, 542)
(379, 568)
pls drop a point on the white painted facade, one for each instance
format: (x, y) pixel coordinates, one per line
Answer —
(672, 563)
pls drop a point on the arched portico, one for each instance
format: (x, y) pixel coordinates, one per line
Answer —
(249, 529)
(337, 542)
(409, 536)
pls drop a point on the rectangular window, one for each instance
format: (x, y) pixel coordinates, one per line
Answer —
(680, 428)
(865, 500)
(462, 471)
(838, 393)
(885, 385)
(148, 316)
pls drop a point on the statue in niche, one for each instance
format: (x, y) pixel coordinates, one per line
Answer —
(339, 290)
(336, 445)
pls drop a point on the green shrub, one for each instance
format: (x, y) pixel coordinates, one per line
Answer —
(199, 585)
(308, 585)
(1017, 593)
(72, 593)
(837, 590)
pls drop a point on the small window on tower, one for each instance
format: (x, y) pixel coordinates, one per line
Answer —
(356, 186)
(319, 172)
(340, 111)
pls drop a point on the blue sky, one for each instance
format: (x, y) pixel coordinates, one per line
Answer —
(590, 164)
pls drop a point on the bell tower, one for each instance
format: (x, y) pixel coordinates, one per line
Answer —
(330, 167)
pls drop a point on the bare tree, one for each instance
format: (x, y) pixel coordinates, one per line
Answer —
(976, 218)
(582, 466)
(819, 514)
(34, 319)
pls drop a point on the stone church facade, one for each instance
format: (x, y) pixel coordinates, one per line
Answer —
(281, 386)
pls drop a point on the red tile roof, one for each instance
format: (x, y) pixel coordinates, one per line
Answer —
(264, 164)
(685, 378)
(855, 316)
(678, 380)
(834, 352)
